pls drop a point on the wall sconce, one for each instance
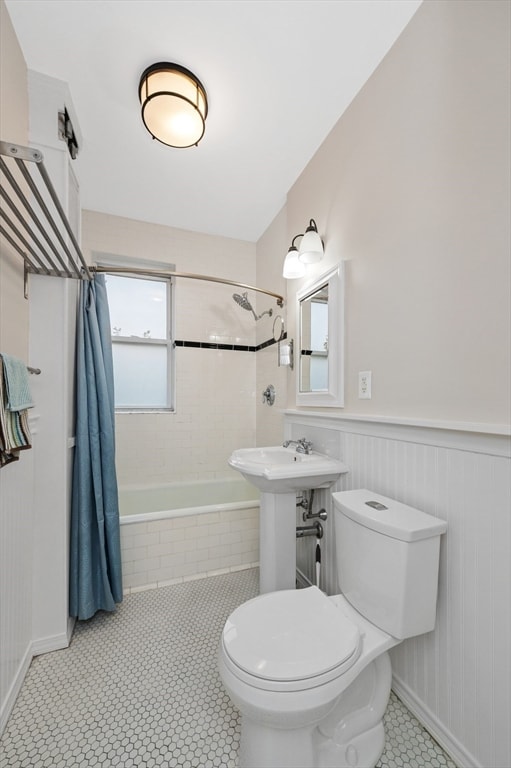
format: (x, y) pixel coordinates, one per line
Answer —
(293, 267)
(174, 104)
(311, 251)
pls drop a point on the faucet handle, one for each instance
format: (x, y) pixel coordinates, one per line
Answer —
(269, 395)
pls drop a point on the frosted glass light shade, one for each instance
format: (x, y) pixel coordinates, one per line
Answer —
(293, 267)
(311, 245)
(174, 104)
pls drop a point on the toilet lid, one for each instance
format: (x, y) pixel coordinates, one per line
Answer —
(290, 635)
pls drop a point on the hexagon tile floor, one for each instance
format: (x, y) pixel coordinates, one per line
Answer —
(140, 688)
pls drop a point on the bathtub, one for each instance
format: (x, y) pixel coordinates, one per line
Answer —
(186, 530)
(179, 499)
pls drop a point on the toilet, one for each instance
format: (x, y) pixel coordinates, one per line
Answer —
(310, 673)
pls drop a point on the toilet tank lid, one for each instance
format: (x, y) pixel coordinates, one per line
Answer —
(388, 516)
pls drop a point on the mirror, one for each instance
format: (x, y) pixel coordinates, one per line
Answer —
(314, 341)
(320, 379)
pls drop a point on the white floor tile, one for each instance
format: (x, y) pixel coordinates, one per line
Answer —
(140, 687)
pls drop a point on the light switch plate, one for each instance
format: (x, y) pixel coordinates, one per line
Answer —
(364, 385)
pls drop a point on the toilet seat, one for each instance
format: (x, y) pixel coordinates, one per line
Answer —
(290, 640)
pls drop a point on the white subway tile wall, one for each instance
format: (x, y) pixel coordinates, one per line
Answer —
(215, 388)
(159, 552)
(215, 414)
(269, 419)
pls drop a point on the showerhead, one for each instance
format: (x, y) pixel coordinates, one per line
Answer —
(244, 303)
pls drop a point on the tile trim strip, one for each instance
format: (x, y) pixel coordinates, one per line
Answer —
(230, 347)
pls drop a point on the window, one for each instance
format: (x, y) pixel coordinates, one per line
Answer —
(140, 318)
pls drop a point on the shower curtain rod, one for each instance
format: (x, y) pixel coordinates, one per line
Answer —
(54, 256)
(162, 274)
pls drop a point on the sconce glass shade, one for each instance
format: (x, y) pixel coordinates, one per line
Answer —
(293, 267)
(311, 246)
(174, 104)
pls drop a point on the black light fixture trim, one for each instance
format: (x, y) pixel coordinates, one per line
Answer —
(293, 247)
(312, 246)
(313, 227)
(309, 252)
(145, 98)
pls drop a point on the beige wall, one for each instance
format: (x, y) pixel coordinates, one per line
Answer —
(411, 189)
(13, 128)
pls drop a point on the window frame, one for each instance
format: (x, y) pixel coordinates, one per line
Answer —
(167, 343)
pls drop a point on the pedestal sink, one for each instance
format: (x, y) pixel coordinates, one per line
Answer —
(279, 473)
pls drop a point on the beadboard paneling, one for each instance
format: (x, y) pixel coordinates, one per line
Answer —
(457, 678)
(16, 501)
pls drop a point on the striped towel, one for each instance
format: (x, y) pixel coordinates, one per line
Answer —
(17, 389)
(14, 430)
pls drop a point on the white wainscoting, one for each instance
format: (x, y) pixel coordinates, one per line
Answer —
(457, 679)
(16, 574)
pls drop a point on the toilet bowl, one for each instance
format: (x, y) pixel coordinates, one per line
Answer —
(285, 659)
(311, 674)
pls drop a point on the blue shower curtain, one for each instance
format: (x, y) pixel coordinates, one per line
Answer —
(95, 557)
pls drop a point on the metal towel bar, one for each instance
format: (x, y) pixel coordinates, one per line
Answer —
(49, 247)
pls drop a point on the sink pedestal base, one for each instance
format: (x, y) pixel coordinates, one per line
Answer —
(277, 542)
(279, 473)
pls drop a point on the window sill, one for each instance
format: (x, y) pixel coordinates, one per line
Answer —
(120, 411)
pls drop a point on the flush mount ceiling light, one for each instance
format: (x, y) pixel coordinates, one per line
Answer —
(310, 252)
(174, 104)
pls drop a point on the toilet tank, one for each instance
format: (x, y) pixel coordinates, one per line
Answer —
(387, 561)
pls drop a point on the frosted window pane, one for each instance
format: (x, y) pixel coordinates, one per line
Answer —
(137, 307)
(140, 373)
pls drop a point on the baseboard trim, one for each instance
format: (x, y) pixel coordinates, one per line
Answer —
(50, 643)
(37, 647)
(71, 621)
(12, 693)
(438, 731)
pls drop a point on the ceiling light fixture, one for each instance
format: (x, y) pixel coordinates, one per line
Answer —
(174, 104)
(311, 251)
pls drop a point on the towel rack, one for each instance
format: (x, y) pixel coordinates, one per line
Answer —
(44, 240)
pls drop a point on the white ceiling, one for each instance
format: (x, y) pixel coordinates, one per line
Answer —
(278, 73)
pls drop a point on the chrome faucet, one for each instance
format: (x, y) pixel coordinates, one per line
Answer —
(302, 445)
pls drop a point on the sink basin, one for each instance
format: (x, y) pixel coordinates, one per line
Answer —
(276, 469)
(279, 473)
